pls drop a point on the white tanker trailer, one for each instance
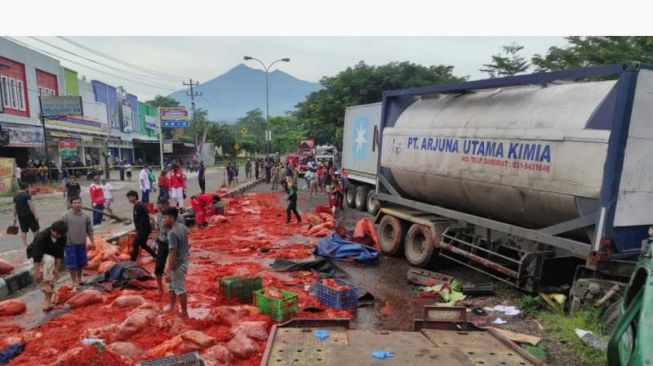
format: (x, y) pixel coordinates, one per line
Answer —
(512, 175)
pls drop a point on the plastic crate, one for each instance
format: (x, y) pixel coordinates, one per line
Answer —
(343, 299)
(278, 309)
(188, 359)
(241, 288)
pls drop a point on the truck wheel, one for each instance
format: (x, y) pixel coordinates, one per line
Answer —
(350, 196)
(419, 246)
(391, 235)
(361, 197)
(372, 203)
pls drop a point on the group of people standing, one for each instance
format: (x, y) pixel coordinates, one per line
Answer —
(64, 242)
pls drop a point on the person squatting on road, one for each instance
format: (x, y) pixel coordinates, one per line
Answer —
(79, 228)
(47, 252)
(204, 206)
(292, 200)
(177, 260)
(144, 184)
(142, 226)
(97, 199)
(162, 242)
(25, 212)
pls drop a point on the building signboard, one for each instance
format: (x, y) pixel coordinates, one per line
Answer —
(176, 117)
(67, 148)
(61, 106)
(7, 166)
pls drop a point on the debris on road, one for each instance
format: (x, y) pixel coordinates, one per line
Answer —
(338, 247)
(518, 337)
(556, 302)
(478, 289)
(592, 340)
(427, 278)
(507, 310)
(446, 294)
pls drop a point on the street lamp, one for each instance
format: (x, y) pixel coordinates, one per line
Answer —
(267, 93)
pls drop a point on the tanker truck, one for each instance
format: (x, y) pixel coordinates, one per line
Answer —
(360, 156)
(528, 179)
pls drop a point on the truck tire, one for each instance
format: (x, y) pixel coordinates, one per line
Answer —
(350, 195)
(391, 235)
(361, 198)
(419, 246)
(372, 203)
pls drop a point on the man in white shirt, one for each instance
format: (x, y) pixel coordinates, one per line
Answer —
(108, 198)
(144, 184)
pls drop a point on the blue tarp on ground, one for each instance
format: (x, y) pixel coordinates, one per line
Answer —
(337, 247)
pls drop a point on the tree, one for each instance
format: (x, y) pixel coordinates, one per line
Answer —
(506, 63)
(253, 126)
(593, 51)
(287, 131)
(222, 135)
(323, 111)
(161, 101)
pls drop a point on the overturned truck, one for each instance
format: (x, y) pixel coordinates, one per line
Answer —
(531, 179)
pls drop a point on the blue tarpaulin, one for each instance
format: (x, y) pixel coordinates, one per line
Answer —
(336, 247)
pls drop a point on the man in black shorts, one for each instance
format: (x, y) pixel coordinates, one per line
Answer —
(142, 226)
(162, 242)
(25, 213)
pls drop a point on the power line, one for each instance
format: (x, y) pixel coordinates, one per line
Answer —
(99, 53)
(140, 76)
(88, 67)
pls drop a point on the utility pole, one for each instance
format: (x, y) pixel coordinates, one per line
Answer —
(192, 96)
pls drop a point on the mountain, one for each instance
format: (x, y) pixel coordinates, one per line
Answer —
(241, 89)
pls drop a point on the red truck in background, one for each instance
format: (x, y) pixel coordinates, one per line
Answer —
(305, 152)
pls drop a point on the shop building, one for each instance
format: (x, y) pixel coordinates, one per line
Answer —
(24, 75)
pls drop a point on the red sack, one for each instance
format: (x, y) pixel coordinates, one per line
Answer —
(230, 315)
(243, 346)
(12, 307)
(63, 294)
(5, 267)
(365, 230)
(125, 349)
(252, 329)
(198, 338)
(219, 355)
(136, 320)
(129, 300)
(105, 266)
(86, 297)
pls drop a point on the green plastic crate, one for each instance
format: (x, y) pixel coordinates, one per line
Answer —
(278, 309)
(241, 288)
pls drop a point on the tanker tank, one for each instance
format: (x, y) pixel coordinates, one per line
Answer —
(531, 155)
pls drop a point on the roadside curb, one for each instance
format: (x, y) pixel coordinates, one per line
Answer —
(15, 281)
(244, 188)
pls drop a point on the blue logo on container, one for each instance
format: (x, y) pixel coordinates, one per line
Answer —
(361, 138)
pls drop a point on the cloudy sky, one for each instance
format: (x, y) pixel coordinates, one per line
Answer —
(204, 58)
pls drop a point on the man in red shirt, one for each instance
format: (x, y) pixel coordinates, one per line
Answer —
(203, 205)
(177, 186)
(97, 198)
(164, 185)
